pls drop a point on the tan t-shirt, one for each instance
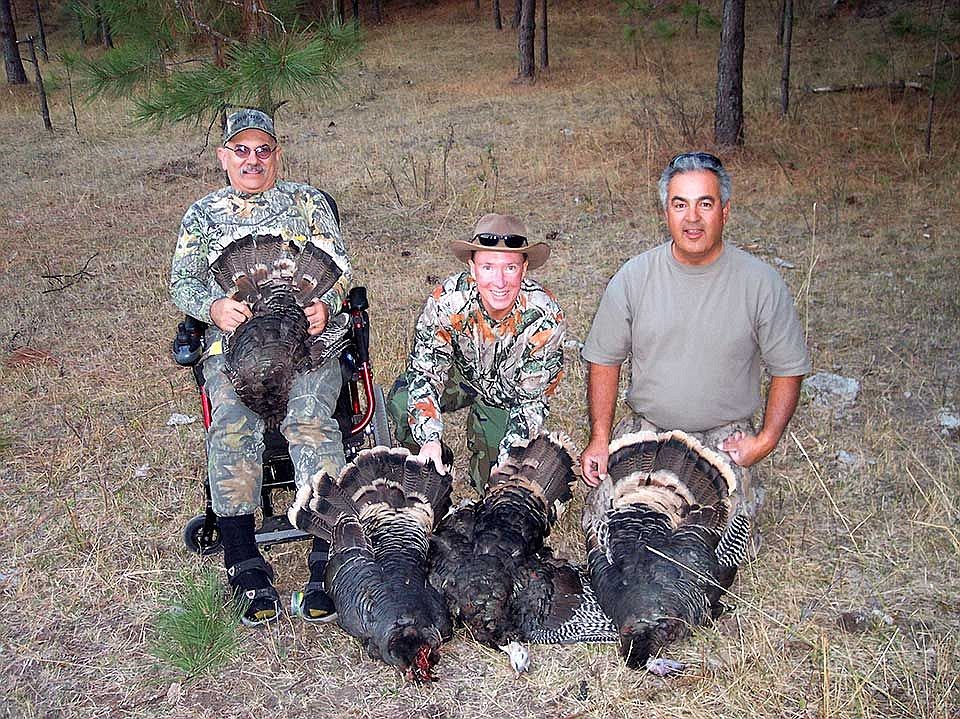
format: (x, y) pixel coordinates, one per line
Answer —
(697, 335)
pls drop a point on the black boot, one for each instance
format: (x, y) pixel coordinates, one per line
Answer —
(313, 603)
(249, 575)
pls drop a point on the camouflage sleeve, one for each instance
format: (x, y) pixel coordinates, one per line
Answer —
(538, 376)
(325, 234)
(190, 285)
(429, 368)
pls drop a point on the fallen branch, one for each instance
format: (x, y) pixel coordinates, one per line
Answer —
(62, 282)
(859, 87)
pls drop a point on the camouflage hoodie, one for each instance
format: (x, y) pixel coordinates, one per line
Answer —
(514, 364)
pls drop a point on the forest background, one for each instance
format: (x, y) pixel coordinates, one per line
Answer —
(852, 608)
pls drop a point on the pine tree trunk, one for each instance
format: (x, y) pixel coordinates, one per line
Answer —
(41, 92)
(544, 41)
(356, 13)
(41, 32)
(525, 40)
(497, 19)
(728, 116)
(517, 8)
(103, 25)
(377, 12)
(253, 20)
(928, 137)
(11, 54)
(786, 23)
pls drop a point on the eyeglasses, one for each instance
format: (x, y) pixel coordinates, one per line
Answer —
(704, 158)
(513, 242)
(242, 151)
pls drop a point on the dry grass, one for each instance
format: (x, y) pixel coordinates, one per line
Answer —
(841, 189)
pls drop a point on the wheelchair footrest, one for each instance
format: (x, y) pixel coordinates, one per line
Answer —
(276, 529)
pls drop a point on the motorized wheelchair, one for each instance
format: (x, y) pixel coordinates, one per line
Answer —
(360, 412)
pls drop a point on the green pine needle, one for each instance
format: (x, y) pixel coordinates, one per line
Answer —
(120, 70)
(199, 629)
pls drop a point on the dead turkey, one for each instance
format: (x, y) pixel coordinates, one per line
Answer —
(378, 517)
(660, 547)
(489, 560)
(276, 279)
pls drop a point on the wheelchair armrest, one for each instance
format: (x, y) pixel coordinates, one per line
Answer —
(188, 343)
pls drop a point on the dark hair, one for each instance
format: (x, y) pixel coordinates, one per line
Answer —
(693, 162)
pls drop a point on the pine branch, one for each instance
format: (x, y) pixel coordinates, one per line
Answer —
(121, 69)
(186, 95)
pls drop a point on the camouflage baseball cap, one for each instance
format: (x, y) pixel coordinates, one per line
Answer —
(248, 119)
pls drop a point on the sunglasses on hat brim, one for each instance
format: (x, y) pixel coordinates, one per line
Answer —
(489, 239)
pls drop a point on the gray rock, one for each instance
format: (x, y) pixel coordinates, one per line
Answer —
(832, 390)
(949, 421)
(848, 458)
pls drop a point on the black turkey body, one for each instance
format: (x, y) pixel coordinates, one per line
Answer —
(264, 354)
(378, 517)
(660, 547)
(489, 558)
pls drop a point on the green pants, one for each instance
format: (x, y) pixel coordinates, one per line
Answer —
(485, 425)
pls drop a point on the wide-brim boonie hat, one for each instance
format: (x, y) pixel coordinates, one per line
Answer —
(501, 233)
(248, 119)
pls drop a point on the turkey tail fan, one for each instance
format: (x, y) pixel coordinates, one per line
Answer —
(706, 474)
(397, 479)
(375, 476)
(316, 273)
(259, 268)
(319, 506)
(673, 472)
(248, 263)
(421, 481)
(349, 534)
(545, 463)
(633, 453)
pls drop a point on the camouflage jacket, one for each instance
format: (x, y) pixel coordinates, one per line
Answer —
(514, 364)
(294, 211)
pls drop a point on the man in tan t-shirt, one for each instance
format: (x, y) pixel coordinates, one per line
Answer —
(696, 316)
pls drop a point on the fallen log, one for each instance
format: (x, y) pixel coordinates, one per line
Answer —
(859, 87)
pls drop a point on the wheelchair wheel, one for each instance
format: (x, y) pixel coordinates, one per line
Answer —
(379, 423)
(194, 541)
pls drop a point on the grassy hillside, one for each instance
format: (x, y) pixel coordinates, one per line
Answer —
(428, 134)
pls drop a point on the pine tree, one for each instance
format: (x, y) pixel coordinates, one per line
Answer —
(249, 56)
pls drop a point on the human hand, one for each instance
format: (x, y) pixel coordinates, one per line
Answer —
(745, 449)
(228, 314)
(317, 315)
(433, 451)
(593, 462)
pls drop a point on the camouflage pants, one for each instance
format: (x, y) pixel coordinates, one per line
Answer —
(749, 496)
(486, 425)
(235, 437)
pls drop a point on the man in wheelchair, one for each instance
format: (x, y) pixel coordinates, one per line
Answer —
(257, 213)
